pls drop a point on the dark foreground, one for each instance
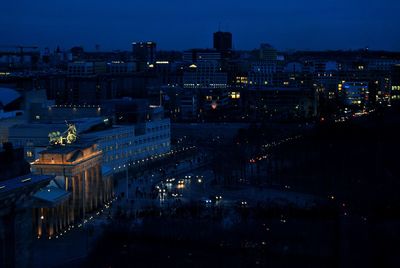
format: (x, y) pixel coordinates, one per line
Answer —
(352, 165)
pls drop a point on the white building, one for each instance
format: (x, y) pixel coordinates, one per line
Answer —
(120, 144)
(123, 144)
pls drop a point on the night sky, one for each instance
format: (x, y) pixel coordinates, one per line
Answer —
(180, 24)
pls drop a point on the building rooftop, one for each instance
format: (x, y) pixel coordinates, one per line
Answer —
(22, 181)
(68, 148)
(8, 95)
(51, 194)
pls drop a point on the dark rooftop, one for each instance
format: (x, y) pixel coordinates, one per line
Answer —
(24, 181)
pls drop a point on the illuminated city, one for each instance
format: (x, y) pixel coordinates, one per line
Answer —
(226, 134)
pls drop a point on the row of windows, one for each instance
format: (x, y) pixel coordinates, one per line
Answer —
(132, 133)
(138, 142)
(119, 136)
(158, 128)
(131, 153)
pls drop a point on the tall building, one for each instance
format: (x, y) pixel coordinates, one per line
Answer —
(144, 53)
(223, 41)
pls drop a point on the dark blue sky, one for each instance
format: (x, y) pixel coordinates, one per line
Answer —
(179, 24)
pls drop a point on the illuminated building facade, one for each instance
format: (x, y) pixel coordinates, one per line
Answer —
(261, 74)
(204, 69)
(138, 134)
(79, 187)
(354, 93)
(122, 144)
(395, 83)
(283, 102)
(205, 74)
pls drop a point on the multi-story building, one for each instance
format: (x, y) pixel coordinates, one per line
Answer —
(121, 67)
(222, 41)
(189, 105)
(268, 53)
(395, 82)
(283, 103)
(80, 68)
(205, 74)
(196, 55)
(123, 144)
(261, 74)
(354, 93)
(120, 144)
(144, 53)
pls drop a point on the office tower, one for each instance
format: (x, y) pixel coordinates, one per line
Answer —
(144, 52)
(223, 41)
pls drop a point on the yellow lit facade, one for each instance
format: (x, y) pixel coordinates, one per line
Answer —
(234, 95)
(241, 80)
(78, 171)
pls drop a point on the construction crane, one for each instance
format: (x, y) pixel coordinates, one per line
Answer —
(21, 51)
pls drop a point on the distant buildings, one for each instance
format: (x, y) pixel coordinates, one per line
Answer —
(196, 55)
(261, 74)
(144, 53)
(77, 77)
(268, 53)
(282, 103)
(395, 79)
(354, 93)
(81, 68)
(222, 41)
(204, 74)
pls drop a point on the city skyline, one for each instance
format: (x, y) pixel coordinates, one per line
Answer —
(178, 26)
(207, 134)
